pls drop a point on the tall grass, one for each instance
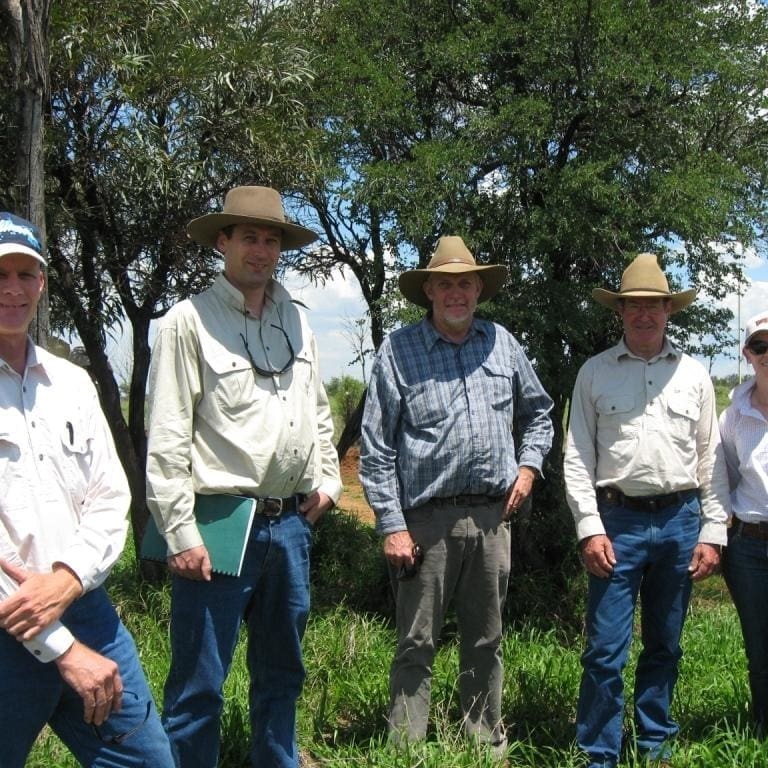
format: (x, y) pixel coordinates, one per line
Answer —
(342, 710)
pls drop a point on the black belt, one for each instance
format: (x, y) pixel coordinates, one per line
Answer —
(614, 496)
(273, 506)
(752, 530)
(464, 500)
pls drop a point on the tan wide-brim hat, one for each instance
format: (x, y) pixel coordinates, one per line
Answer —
(451, 257)
(643, 278)
(250, 205)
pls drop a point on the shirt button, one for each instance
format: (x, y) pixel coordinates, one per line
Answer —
(40, 457)
(234, 363)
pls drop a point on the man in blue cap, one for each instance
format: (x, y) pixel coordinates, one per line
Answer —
(65, 657)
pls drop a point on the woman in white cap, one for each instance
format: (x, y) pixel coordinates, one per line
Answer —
(744, 432)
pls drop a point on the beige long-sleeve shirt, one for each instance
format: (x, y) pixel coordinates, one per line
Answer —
(646, 428)
(215, 426)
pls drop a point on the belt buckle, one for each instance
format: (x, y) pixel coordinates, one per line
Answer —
(270, 506)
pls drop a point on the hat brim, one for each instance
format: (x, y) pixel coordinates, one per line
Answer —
(412, 282)
(205, 230)
(6, 249)
(611, 299)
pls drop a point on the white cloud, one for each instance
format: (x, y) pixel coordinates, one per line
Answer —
(329, 305)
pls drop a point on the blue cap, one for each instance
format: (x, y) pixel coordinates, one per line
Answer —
(18, 235)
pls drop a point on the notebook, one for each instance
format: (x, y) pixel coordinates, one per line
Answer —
(224, 522)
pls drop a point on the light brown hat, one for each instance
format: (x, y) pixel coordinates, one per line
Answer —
(250, 205)
(452, 257)
(643, 278)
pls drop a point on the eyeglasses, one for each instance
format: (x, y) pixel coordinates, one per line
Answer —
(651, 307)
(272, 372)
(758, 347)
(119, 738)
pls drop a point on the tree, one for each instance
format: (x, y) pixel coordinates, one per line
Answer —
(559, 138)
(156, 109)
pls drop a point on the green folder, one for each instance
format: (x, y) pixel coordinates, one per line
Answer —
(224, 522)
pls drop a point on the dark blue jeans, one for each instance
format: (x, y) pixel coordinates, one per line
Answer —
(272, 596)
(745, 568)
(653, 551)
(32, 694)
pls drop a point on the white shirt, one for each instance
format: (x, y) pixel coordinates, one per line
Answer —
(64, 495)
(744, 432)
(646, 427)
(217, 427)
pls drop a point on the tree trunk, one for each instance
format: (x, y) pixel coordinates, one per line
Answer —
(27, 40)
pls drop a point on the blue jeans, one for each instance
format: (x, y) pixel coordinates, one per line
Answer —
(653, 551)
(272, 596)
(745, 568)
(33, 694)
(467, 554)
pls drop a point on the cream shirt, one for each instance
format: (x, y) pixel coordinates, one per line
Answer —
(646, 428)
(217, 427)
(64, 494)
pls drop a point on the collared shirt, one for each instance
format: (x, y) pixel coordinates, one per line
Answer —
(216, 426)
(443, 419)
(64, 493)
(646, 428)
(744, 432)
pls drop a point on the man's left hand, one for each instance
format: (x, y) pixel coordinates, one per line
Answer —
(520, 491)
(314, 505)
(706, 558)
(41, 599)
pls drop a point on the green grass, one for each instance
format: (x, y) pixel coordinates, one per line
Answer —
(341, 721)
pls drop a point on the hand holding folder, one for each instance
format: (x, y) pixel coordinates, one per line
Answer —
(224, 522)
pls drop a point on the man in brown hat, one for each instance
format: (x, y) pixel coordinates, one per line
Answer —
(647, 496)
(455, 430)
(238, 409)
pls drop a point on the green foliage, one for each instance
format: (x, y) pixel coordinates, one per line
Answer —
(348, 567)
(344, 393)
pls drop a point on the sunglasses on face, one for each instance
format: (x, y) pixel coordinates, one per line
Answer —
(758, 347)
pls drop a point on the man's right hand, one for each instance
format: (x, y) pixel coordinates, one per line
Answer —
(398, 549)
(597, 555)
(95, 679)
(191, 563)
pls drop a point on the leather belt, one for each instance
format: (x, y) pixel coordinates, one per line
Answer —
(614, 496)
(752, 530)
(273, 506)
(464, 500)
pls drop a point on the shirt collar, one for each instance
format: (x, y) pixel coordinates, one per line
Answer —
(431, 336)
(668, 351)
(232, 297)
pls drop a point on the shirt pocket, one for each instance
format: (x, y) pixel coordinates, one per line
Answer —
(230, 385)
(76, 439)
(425, 407)
(303, 367)
(10, 455)
(499, 387)
(616, 414)
(683, 414)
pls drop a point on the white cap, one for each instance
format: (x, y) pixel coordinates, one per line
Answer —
(756, 323)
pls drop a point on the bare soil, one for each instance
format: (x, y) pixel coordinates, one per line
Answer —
(352, 499)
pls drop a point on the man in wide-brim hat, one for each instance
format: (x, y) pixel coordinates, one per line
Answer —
(456, 428)
(647, 489)
(237, 409)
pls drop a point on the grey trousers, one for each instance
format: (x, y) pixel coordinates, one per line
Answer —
(466, 561)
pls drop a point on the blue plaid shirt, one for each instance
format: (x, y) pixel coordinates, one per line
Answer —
(443, 419)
